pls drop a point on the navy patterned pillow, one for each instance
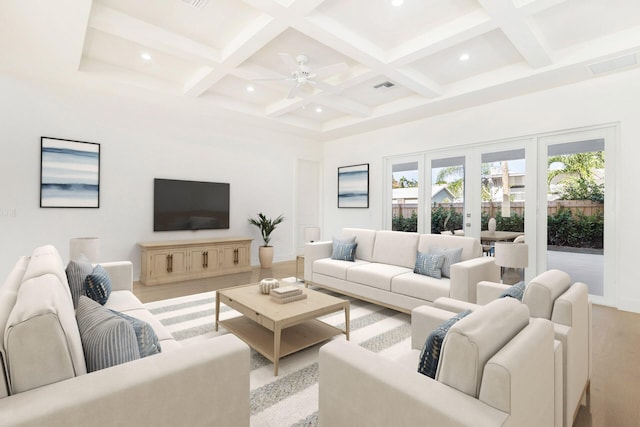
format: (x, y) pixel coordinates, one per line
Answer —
(107, 339)
(147, 339)
(516, 291)
(451, 256)
(429, 265)
(77, 271)
(97, 285)
(344, 251)
(430, 355)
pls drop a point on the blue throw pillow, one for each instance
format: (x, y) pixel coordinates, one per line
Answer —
(516, 291)
(147, 339)
(429, 265)
(451, 256)
(430, 355)
(344, 251)
(97, 285)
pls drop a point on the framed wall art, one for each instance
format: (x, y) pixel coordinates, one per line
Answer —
(353, 186)
(69, 173)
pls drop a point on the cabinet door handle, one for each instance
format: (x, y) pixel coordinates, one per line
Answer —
(205, 263)
(169, 263)
(235, 256)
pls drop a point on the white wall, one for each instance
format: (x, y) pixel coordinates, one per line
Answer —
(613, 98)
(138, 143)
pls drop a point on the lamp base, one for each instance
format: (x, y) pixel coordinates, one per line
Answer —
(511, 276)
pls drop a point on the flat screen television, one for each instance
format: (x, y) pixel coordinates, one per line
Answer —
(189, 205)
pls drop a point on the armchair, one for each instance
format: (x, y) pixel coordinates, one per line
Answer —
(551, 296)
(486, 374)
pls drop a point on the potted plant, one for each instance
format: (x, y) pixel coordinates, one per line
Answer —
(266, 226)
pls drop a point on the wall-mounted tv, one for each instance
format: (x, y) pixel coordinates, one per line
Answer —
(189, 205)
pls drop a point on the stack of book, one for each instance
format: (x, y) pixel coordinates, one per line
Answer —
(287, 294)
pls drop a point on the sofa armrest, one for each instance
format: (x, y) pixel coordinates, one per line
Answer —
(359, 387)
(197, 385)
(121, 275)
(465, 276)
(488, 291)
(424, 320)
(314, 251)
(454, 305)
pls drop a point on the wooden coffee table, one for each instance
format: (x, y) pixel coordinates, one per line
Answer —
(276, 330)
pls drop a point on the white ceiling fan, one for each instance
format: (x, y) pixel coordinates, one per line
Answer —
(302, 76)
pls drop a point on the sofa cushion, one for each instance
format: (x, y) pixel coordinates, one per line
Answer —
(543, 290)
(77, 271)
(421, 287)
(430, 354)
(8, 297)
(365, 240)
(395, 248)
(344, 251)
(97, 285)
(451, 256)
(429, 265)
(107, 338)
(123, 301)
(335, 268)
(472, 341)
(471, 247)
(42, 342)
(375, 275)
(516, 291)
(147, 339)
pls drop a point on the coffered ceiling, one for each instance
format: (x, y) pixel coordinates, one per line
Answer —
(394, 63)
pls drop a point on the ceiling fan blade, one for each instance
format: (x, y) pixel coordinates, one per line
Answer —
(324, 86)
(292, 92)
(330, 70)
(289, 61)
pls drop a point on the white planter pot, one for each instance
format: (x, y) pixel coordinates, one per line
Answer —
(265, 254)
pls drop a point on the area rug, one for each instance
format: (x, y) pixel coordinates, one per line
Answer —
(291, 398)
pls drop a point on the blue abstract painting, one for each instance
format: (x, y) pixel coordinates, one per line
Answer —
(70, 174)
(353, 186)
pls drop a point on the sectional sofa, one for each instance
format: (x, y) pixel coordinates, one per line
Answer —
(383, 268)
(44, 377)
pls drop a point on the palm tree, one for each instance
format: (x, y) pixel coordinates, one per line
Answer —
(578, 165)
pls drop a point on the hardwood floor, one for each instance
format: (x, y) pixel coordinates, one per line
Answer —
(615, 379)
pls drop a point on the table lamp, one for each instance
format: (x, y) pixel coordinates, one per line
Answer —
(511, 257)
(87, 247)
(311, 234)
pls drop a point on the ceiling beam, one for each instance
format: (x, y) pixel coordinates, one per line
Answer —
(116, 23)
(515, 25)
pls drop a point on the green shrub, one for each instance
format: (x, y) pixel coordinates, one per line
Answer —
(578, 231)
(439, 215)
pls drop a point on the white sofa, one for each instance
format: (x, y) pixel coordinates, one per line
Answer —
(45, 381)
(496, 368)
(550, 295)
(383, 268)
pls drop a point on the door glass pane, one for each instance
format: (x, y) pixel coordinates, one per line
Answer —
(503, 195)
(575, 211)
(447, 195)
(405, 196)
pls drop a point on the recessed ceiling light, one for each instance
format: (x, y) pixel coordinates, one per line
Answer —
(250, 89)
(145, 56)
(397, 3)
(464, 57)
(318, 109)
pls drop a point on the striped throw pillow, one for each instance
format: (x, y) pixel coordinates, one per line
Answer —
(430, 355)
(97, 285)
(344, 251)
(107, 339)
(77, 271)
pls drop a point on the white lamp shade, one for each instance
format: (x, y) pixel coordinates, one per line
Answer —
(88, 247)
(512, 255)
(311, 234)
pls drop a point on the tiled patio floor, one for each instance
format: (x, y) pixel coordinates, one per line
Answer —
(586, 268)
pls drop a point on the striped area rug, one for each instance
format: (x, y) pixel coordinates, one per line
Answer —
(291, 398)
